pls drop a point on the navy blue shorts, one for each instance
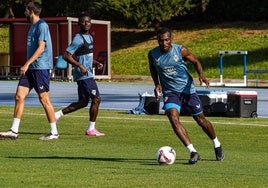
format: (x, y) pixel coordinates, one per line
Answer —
(190, 102)
(37, 79)
(87, 89)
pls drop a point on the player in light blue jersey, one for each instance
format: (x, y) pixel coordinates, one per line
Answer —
(35, 73)
(82, 47)
(39, 31)
(168, 67)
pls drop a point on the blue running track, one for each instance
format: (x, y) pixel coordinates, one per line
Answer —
(118, 96)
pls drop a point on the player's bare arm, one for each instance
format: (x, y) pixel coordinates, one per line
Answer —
(69, 58)
(37, 53)
(153, 71)
(188, 56)
(154, 75)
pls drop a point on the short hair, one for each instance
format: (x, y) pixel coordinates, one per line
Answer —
(83, 14)
(35, 7)
(163, 30)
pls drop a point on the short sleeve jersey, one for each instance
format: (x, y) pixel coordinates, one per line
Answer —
(172, 70)
(40, 32)
(84, 59)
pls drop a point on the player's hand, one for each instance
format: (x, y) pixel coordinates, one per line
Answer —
(158, 91)
(23, 69)
(83, 70)
(204, 80)
(98, 65)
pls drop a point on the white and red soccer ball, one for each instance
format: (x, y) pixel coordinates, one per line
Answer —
(166, 155)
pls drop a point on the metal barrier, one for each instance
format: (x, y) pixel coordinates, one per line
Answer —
(257, 72)
(13, 72)
(9, 72)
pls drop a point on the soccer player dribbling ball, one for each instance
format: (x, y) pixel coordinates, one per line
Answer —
(168, 68)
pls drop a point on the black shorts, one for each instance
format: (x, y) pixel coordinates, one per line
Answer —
(87, 89)
(37, 79)
(176, 100)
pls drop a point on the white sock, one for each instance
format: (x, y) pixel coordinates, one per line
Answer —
(216, 142)
(191, 149)
(91, 126)
(53, 128)
(15, 125)
(58, 114)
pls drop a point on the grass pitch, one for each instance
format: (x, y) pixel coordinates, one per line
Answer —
(125, 157)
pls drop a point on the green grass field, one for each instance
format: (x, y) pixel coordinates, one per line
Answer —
(204, 40)
(130, 47)
(125, 157)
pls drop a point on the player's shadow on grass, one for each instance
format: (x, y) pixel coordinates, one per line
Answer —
(113, 159)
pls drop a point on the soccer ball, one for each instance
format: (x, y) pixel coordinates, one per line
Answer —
(166, 155)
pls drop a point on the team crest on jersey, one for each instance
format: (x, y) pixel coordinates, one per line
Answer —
(157, 61)
(175, 57)
(93, 92)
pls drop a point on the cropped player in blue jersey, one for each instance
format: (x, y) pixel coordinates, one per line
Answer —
(82, 47)
(168, 67)
(35, 73)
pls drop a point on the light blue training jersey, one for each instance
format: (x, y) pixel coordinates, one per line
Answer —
(86, 59)
(40, 32)
(172, 70)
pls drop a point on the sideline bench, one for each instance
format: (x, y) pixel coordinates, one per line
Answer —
(257, 72)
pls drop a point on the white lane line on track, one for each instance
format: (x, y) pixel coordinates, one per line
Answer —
(150, 119)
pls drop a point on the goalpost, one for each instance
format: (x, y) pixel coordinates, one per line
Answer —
(232, 52)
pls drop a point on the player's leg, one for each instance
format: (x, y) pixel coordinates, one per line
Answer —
(209, 130)
(40, 80)
(94, 108)
(205, 125)
(83, 100)
(22, 91)
(20, 96)
(180, 131)
(44, 99)
(182, 134)
(73, 107)
(172, 107)
(94, 94)
(195, 105)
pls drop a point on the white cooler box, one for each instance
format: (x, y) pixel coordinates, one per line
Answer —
(213, 101)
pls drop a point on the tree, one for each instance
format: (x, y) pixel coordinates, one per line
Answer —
(8, 5)
(66, 7)
(146, 13)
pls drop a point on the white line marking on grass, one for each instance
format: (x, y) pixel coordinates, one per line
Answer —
(151, 119)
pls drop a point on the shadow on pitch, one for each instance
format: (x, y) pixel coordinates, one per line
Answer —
(151, 162)
(113, 159)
